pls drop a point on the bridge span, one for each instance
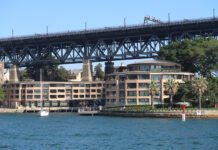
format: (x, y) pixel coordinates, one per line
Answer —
(106, 44)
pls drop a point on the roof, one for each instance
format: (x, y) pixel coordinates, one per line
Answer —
(158, 62)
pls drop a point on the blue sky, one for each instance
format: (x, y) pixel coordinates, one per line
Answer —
(28, 17)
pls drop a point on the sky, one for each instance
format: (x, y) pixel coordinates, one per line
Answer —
(28, 17)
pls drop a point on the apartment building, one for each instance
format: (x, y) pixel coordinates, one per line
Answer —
(128, 85)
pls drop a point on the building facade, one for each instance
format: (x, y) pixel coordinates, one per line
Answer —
(128, 85)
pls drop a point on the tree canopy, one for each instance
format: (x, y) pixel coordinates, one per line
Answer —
(2, 94)
(197, 55)
(99, 73)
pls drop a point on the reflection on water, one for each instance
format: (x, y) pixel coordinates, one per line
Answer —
(68, 131)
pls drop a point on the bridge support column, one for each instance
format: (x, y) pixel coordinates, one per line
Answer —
(109, 68)
(13, 74)
(87, 70)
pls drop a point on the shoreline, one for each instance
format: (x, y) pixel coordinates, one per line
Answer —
(125, 113)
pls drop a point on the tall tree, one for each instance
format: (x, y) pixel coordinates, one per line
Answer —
(2, 94)
(200, 85)
(197, 55)
(99, 73)
(153, 89)
(171, 87)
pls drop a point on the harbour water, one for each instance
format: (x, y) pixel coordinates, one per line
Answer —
(69, 131)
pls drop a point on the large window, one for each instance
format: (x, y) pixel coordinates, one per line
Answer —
(61, 90)
(121, 101)
(144, 76)
(61, 96)
(131, 93)
(37, 96)
(37, 91)
(29, 97)
(53, 96)
(143, 101)
(122, 93)
(144, 68)
(68, 91)
(143, 85)
(131, 101)
(143, 93)
(132, 77)
(157, 101)
(69, 97)
(29, 91)
(53, 91)
(122, 86)
(131, 85)
(155, 77)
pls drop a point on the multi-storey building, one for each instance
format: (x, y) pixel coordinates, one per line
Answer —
(128, 85)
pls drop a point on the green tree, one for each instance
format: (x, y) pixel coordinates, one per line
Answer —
(2, 94)
(99, 73)
(197, 55)
(171, 87)
(153, 89)
(199, 84)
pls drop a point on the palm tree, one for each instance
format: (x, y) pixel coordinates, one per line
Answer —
(200, 85)
(171, 87)
(153, 89)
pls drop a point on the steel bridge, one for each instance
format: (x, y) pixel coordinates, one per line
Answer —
(106, 44)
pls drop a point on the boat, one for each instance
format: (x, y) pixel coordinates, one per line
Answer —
(43, 112)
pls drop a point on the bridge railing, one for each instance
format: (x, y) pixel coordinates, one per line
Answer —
(110, 29)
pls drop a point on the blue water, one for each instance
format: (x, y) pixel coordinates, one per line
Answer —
(68, 131)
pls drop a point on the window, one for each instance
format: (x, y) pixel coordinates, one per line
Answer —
(157, 101)
(99, 84)
(87, 96)
(45, 86)
(36, 85)
(132, 77)
(143, 101)
(53, 96)
(63, 104)
(87, 90)
(81, 96)
(75, 96)
(121, 101)
(155, 77)
(69, 97)
(122, 78)
(61, 96)
(68, 85)
(61, 90)
(57, 85)
(143, 85)
(131, 93)
(29, 97)
(131, 85)
(144, 76)
(93, 96)
(131, 101)
(177, 77)
(45, 91)
(143, 93)
(16, 91)
(68, 91)
(54, 104)
(93, 85)
(93, 90)
(29, 91)
(81, 90)
(167, 76)
(17, 96)
(53, 91)
(144, 68)
(98, 91)
(45, 96)
(122, 93)
(37, 96)
(122, 86)
(37, 91)
(75, 91)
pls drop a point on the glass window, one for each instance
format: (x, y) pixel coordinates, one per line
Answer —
(55, 104)
(29, 97)
(61, 96)
(131, 93)
(93, 90)
(143, 93)
(157, 101)
(81, 96)
(45, 91)
(45, 86)
(45, 96)
(36, 85)
(177, 77)
(75, 85)
(68, 91)
(122, 93)
(131, 101)
(122, 86)
(53, 91)
(29, 91)
(132, 77)
(98, 91)
(81, 90)
(37, 96)
(99, 84)
(144, 76)
(93, 85)
(53, 96)
(63, 104)
(61, 90)
(68, 85)
(167, 76)
(144, 68)
(93, 96)
(75, 91)
(37, 91)
(143, 101)
(121, 101)
(75, 96)
(155, 77)
(143, 85)
(69, 97)
(131, 85)
(16, 91)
